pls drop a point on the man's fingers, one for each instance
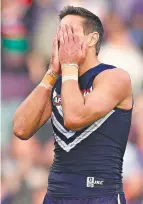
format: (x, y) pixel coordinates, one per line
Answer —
(55, 46)
(55, 42)
(61, 36)
(56, 38)
(76, 34)
(65, 34)
(58, 34)
(70, 33)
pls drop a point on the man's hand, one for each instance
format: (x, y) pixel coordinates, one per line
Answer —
(72, 49)
(54, 61)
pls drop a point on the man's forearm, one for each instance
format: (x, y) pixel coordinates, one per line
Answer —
(72, 100)
(29, 114)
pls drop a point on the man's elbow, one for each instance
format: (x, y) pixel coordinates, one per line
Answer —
(21, 134)
(73, 124)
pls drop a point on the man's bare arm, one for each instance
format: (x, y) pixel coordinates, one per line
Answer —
(32, 113)
(36, 109)
(110, 89)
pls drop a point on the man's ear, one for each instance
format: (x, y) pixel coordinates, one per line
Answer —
(93, 39)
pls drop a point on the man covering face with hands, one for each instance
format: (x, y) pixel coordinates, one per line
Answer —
(90, 105)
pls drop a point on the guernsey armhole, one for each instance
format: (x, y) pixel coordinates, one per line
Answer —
(123, 110)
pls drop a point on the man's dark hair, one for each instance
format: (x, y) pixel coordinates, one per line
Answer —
(91, 23)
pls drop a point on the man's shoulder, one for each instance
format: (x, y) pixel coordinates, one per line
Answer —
(117, 83)
(113, 76)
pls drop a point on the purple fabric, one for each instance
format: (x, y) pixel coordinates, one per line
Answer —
(136, 202)
(110, 199)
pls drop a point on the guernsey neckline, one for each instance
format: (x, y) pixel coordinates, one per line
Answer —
(90, 70)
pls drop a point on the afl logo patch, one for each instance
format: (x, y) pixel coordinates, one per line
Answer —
(57, 100)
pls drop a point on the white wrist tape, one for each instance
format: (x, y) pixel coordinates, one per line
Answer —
(69, 77)
(70, 65)
(47, 86)
(52, 73)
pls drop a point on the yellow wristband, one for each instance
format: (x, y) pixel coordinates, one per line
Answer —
(49, 80)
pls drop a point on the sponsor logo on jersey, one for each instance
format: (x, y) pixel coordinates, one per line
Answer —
(57, 100)
(92, 182)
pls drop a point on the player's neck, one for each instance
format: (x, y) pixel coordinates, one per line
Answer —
(90, 62)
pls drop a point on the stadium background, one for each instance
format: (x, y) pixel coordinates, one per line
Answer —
(27, 34)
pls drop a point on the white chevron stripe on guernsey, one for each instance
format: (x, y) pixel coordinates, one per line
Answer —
(54, 93)
(119, 202)
(61, 129)
(84, 135)
(59, 108)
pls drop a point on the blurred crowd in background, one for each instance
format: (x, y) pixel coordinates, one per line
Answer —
(28, 29)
